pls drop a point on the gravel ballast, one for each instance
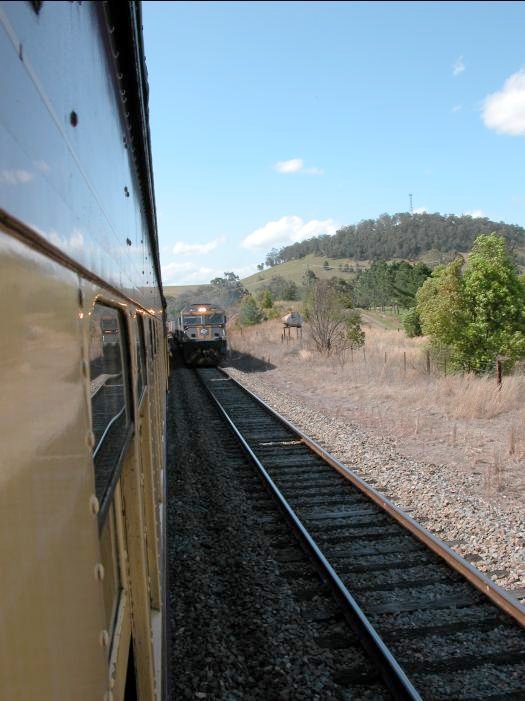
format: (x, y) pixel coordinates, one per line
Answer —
(490, 535)
(237, 625)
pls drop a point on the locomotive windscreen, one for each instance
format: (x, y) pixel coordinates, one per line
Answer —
(191, 320)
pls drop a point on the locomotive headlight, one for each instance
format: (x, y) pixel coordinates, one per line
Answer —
(204, 332)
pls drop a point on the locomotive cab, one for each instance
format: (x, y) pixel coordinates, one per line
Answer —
(202, 334)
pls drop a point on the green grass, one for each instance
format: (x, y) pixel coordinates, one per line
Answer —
(381, 320)
(294, 271)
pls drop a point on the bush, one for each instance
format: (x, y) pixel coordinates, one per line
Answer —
(249, 312)
(411, 323)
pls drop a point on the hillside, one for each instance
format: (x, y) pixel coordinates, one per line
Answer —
(177, 290)
(404, 235)
(294, 270)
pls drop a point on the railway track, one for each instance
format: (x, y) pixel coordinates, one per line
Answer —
(435, 627)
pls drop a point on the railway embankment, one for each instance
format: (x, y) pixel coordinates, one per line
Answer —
(486, 529)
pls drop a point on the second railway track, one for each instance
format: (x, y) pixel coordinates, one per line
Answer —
(437, 627)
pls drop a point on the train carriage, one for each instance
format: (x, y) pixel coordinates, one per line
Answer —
(82, 359)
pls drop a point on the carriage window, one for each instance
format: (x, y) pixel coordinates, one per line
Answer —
(215, 319)
(109, 403)
(141, 356)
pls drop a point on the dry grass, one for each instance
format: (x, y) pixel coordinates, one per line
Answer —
(461, 420)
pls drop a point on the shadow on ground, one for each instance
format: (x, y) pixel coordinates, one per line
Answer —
(247, 362)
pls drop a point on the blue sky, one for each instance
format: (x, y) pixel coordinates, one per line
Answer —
(275, 121)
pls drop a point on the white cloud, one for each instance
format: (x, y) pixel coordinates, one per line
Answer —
(476, 214)
(458, 66)
(15, 177)
(313, 171)
(420, 210)
(288, 230)
(292, 166)
(504, 111)
(246, 270)
(181, 248)
(42, 166)
(187, 273)
(457, 108)
(296, 165)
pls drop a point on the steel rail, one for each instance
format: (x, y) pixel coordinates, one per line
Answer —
(496, 594)
(390, 670)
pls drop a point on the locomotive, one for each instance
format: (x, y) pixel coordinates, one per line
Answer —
(200, 334)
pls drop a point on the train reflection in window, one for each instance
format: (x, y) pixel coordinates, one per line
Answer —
(110, 415)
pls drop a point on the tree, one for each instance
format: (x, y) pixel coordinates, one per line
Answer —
(290, 291)
(249, 312)
(333, 325)
(495, 304)
(260, 266)
(226, 290)
(309, 278)
(266, 299)
(402, 235)
(441, 305)
(272, 258)
(480, 314)
(355, 336)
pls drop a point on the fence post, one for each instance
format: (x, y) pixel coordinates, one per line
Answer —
(404, 361)
(428, 362)
(385, 357)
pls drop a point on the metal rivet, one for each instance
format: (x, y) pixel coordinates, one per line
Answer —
(99, 571)
(94, 505)
(104, 638)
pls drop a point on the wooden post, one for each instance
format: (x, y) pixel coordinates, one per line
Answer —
(428, 362)
(499, 373)
(385, 357)
(404, 361)
(364, 354)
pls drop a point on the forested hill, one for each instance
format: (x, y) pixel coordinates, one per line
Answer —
(400, 236)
